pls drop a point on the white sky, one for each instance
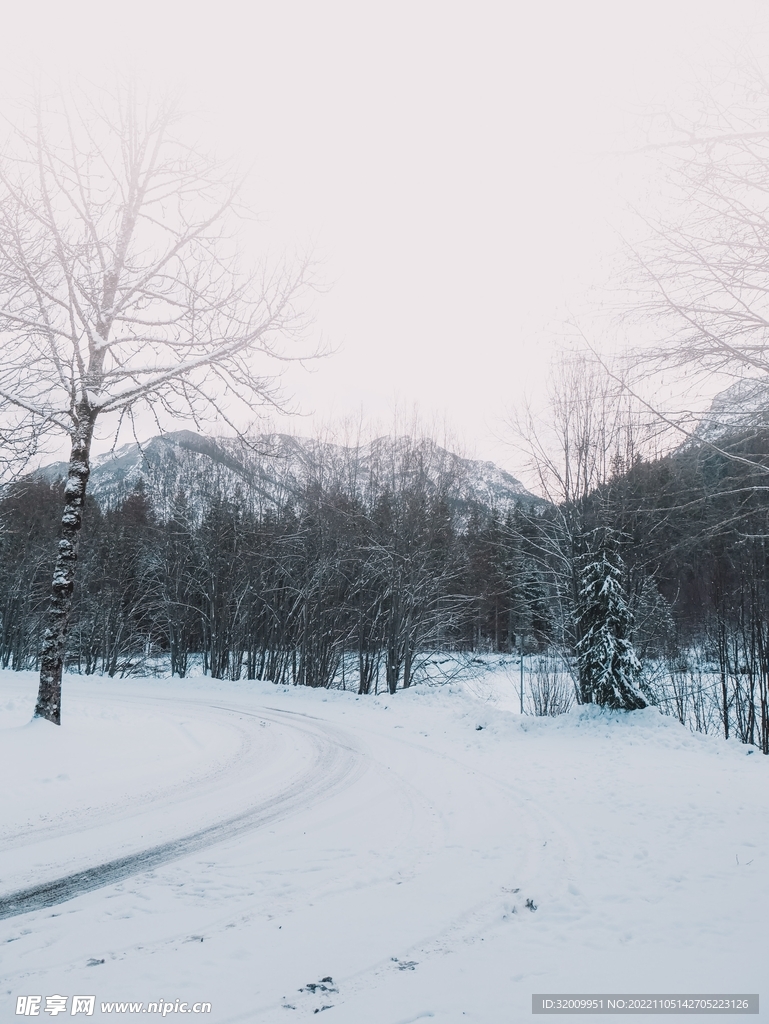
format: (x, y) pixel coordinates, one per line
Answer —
(449, 159)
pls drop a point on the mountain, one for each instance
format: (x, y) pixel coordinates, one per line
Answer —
(268, 469)
(743, 405)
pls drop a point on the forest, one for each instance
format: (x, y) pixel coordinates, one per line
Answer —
(343, 582)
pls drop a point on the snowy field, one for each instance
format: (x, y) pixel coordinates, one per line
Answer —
(281, 852)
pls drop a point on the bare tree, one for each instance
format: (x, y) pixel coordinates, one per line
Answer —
(700, 284)
(122, 291)
(571, 449)
(588, 434)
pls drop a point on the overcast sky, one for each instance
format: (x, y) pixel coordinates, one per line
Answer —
(451, 161)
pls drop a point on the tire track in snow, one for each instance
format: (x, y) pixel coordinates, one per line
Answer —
(80, 819)
(336, 765)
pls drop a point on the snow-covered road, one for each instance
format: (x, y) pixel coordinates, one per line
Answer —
(262, 782)
(258, 841)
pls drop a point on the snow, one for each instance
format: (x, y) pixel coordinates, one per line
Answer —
(387, 843)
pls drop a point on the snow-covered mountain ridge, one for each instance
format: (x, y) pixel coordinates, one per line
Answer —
(743, 405)
(270, 468)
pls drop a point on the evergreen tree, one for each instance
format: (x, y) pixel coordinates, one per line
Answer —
(608, 666)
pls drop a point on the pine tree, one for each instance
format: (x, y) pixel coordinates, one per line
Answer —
(609, 669)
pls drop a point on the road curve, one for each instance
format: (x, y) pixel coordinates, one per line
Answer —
(336, 765)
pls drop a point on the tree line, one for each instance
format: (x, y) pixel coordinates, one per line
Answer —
(695, 525)
(334, 581)
(655, 577)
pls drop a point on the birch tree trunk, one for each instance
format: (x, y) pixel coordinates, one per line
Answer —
(55, 638)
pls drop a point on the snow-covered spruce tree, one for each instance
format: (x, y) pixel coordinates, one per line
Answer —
(609, 669)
